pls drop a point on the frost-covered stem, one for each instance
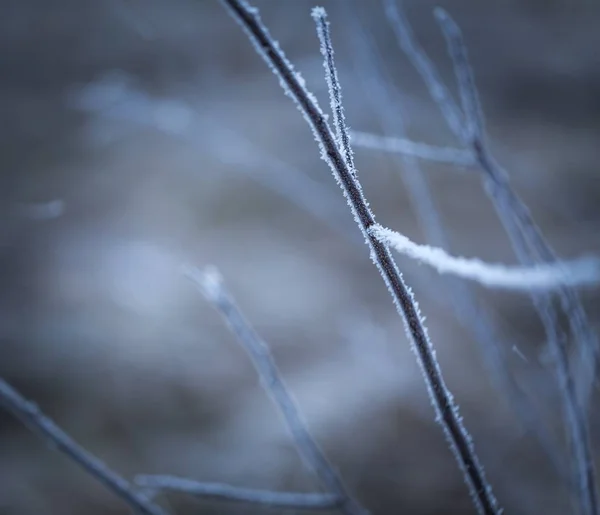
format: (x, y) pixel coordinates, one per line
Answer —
(211, 286)
(224, 492)
(446, 409)
(39, 423)
(333, 85)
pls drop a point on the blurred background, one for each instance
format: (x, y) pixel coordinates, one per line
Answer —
(140, 135)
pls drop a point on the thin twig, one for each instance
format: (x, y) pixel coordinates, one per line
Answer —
(407, 147)
(529, 244)
(35, 420)
(210, 284)
(437, 89)
(446, 409)
(224, 492)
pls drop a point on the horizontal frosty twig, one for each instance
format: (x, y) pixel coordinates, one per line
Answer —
(35, 420)
(581, 272)
(453, 156)
(210, 284)
(220, 491)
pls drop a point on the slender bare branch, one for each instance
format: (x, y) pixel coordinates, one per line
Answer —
(407, 147)
(437, 89)
(471, 105)
(39, 423)
(442, 401)
(224, 492)
(210, 284)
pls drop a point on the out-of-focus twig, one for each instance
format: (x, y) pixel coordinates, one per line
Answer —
(224, 492)
(39, 423)
(210, 284)
(407, 147)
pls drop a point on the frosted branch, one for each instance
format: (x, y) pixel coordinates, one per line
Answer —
(335, 91)
(441, 398)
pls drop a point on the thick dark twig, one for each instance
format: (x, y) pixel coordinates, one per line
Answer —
(224, 492)
(443, 403)
(527, 240)
(211, 286)
(33, 418)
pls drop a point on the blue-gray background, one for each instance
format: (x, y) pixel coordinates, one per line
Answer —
(139, 135)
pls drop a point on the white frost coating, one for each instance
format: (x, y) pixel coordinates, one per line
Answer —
(580, 272)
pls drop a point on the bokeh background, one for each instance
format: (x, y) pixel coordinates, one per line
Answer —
(140, 135)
